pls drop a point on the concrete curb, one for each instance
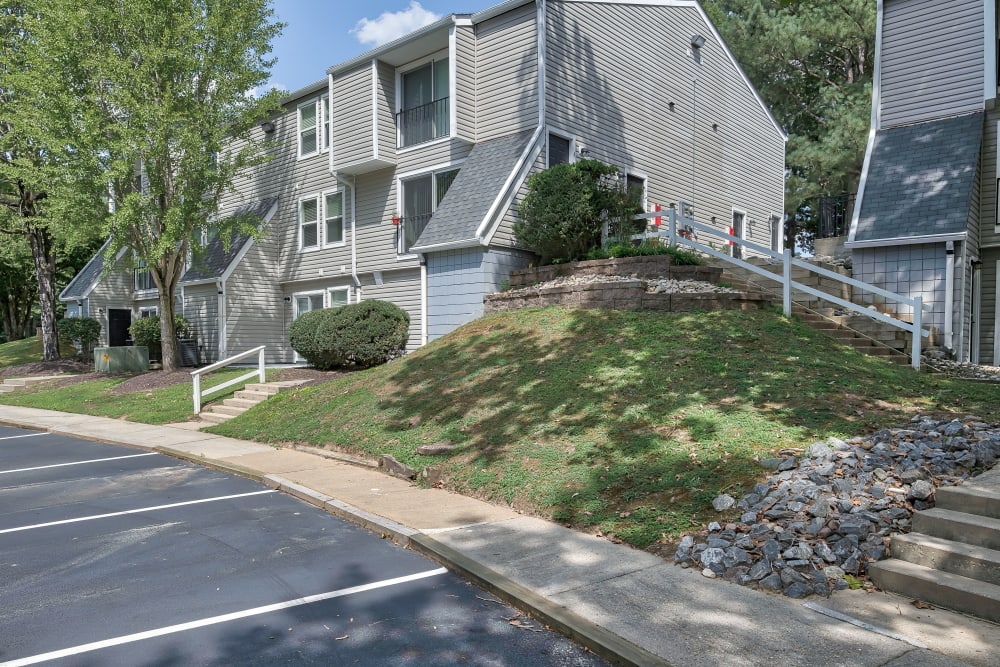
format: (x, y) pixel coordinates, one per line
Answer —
(601, 641)
(224, 466)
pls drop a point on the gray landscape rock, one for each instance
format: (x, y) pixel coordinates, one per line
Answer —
(723, 503)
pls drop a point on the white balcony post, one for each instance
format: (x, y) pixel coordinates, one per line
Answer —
(786, 282)
(918, 331)
(197, 393)
(260, 365)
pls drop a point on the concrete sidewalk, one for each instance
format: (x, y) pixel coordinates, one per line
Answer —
(625, 604)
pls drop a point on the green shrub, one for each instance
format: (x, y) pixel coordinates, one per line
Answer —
(360, 334)
(679, 256)
(146, 331)
(83, 332)
(567, 205)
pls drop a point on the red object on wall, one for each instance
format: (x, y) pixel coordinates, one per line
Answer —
(731, 233)
(395, 220)
(657, 219)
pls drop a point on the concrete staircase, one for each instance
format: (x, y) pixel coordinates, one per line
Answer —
(864, 334)
(13, 384)
(245, 399)
(952, 557)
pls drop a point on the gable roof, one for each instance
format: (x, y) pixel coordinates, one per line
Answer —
(86, 278)
(216, 258)
(920, 181)
(469, 201)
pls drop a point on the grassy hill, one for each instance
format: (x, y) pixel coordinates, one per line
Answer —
(622, 423)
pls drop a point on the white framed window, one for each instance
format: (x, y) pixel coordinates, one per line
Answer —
(306, 301)
(142, 278)
(560, 148)
(309, 223)
(314, 126)
(424, 111)
(635, 181)
(334, 206)
(420, 196)
(777, 230)
(338, 296)
(149, 311)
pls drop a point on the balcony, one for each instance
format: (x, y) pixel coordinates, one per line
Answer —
(423, 123)
(408, 230)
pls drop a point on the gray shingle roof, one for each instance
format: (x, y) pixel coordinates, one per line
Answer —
(214, 261)
(920, 179)
(81, 284)
(474, 190)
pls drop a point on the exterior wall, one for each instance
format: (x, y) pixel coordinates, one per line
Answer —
(504, 236)
(385, 110)
(457, 281)
(932, 59)
(114, 290)
(353, 130)
(506, 74)
(989, 222)
(375, 205)
(989, 285)
(201, 308)
(909, 270)
(403, 289)
(253, 302)
(717, 149)
(465, 82)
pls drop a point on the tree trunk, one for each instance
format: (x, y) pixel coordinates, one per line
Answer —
(45, 273)
(167, 278)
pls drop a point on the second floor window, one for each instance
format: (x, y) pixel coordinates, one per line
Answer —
(143, 278)
(425, 113)
(421, 196)
(314, 126)
(322, 219)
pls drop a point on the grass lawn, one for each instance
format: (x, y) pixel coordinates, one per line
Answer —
(24, 351)
(102, 397)
(621, 423)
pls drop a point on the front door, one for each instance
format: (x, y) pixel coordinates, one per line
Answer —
(119, 320)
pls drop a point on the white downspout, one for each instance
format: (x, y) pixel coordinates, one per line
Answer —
(423, 300)
(223, 347)
(949, 297)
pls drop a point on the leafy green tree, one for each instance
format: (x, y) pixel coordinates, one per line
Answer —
(813, 62)
(49, 195)
(169, 92)
(18, 288)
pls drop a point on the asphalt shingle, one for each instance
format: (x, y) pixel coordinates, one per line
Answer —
(214, 261)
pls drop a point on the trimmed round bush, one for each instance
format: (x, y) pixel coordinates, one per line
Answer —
(360, 334)
(80, 331)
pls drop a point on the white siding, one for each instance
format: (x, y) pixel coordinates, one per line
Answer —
(506, 74)
(932, 59)
(716, 149)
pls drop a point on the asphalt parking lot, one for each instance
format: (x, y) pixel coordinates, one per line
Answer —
(113, 556)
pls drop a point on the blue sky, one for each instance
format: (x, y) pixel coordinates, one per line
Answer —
(321, 33)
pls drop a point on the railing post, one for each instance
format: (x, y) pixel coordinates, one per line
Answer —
(918, 331)
(260, 366)
(197, 393)
(786, 283)
(672, 226)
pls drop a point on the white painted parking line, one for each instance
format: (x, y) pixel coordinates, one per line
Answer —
(76, 463)
(135, 511)
(214, 620)
(29, 435)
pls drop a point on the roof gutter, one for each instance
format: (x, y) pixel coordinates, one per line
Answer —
(449, 245)
(908, 240)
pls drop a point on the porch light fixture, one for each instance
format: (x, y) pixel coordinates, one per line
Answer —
(697, 41)
(267, 126)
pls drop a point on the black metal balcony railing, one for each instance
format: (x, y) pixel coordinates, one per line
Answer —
(835, 213)
(408, 230)
(423, 123)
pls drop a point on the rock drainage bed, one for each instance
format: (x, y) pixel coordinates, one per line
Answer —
(827, 512)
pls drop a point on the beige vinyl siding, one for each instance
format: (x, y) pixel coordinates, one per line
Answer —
(932, 59)
(401, 288)
(253, 301)
(385, 111)
(113, 290)
(615, 99)
(506, 74)
(465, 82)
(353, 117)
(375, 207)
(201, 308)
(988, 218)
(988, 290)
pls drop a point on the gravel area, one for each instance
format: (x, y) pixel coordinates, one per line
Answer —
(653, 286)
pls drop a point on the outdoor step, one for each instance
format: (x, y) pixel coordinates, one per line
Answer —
(24, 382)
(269, 389)
(252, 395)
(945, 589)
(958, 526)
(7, 388)
(227, 410)
(966, 560)
(214, 418)
(971, 498)
(240, 403)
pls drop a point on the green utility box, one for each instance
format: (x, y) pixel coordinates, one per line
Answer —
(131, 359)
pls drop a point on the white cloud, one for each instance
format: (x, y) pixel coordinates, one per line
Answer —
(390, 25)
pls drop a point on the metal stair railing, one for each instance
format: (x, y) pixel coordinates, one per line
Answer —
(196, 375)
(916, 304)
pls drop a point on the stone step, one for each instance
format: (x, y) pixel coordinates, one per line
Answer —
(945, 589)
(971, 498)
(958, 526)
(244, 403)
(226, 410)
(270, 389)
(214, 418)
(966, 560)
(24, 382)
(7, 388)
(253, 395)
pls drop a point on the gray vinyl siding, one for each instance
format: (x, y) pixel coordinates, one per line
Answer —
(988, 218)
(201, 308)
(253, 301)
(375, 208)
(465, 82)
(988, 306)
(506, 74)
(504, 236)
(401, 288)
(963, 269)
(113, 290)
(457, 281)
(615, 99)
(353, 117)
(385, 110)
(431, 155)
(932, 59)
(909, 270)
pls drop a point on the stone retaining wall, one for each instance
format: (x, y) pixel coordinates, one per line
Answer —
(653, 266)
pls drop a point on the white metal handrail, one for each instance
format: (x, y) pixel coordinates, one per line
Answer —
(915, 328)
(196, 375)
